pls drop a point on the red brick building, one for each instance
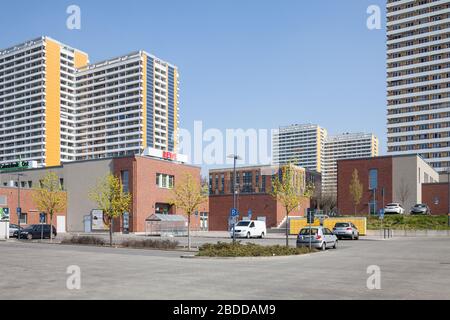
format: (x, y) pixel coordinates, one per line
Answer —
(30, 213)
(435, 195)
(253, 185)
(398, 178)
(149, 179)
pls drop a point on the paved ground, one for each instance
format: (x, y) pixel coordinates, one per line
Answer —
(410, 269)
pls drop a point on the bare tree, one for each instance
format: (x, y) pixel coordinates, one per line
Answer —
(403, 191)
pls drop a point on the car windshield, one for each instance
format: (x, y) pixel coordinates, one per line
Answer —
(420, 206)
(392, 204)
(306, 231)
(342, 225)
(243, 224)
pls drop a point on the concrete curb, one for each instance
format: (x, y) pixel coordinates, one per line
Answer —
(412, 233)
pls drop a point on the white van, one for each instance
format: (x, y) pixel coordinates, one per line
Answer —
(250, 229)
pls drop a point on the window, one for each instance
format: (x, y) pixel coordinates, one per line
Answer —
(23, 218)
(124, 177)
(373, 179)
(165, 181)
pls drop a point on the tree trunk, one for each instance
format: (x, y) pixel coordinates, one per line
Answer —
(189, 232)
(51, 227)
(111, 224)
(287, 225)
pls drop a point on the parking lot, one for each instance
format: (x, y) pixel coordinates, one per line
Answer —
(411, 268)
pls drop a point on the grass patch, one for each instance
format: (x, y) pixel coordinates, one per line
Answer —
(222, 249)
(409, 222)
(149, 243)
(96, 241)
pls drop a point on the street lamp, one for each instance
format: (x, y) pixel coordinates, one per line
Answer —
(19, 209)
(448, 194)
(235, 157)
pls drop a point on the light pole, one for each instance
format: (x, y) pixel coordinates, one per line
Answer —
(19, 209)
(235, 157)
(448, 194)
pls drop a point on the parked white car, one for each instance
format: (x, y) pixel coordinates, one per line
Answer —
(250, 229)
(394, 208)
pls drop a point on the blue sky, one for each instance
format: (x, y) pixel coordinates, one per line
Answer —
(243, 64)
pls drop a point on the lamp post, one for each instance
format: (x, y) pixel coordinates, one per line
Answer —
(448, 194)
(235, 157)
(19, 209)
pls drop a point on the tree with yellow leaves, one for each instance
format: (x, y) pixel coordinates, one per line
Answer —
(188, 195)
(288, 188)
(50, 197)
(356, 189)
(111, 199)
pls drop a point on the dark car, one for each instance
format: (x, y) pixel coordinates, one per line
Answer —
(420, 208)
(36, 231)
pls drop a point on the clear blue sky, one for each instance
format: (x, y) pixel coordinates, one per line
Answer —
(243, 64)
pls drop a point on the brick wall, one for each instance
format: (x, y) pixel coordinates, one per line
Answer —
(26, 203)
(262, 205)
(435, 195)
(146, 194)
(345, 170)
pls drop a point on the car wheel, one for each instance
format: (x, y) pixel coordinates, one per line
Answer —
(353, 236)
(357, 237)
(248, 235)
(335, 244)
(29, 236)
(262, 235)
(324, 246)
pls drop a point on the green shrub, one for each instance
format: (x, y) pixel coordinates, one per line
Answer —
(149, 243)
(90, 240)
(222, 249)
(409, 222)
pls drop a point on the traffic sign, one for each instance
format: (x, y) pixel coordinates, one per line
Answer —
(4, 213)
(19, 211)
(41, 217)
(250, 213)
(310, 217)
(234, 212)
(381, 214)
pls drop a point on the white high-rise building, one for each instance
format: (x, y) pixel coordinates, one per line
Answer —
(37, 101)
(56, 107)
(418, 71)
(345, 146)
(302, 144)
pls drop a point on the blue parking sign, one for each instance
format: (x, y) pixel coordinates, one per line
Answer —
(234, 212)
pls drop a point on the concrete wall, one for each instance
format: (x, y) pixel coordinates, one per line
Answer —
(409, 172)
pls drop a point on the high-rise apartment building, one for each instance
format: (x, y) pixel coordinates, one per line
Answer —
(345, 146)
(125, 105)
(302, 144)
(418, 71)
(55, 107)
(37, 101)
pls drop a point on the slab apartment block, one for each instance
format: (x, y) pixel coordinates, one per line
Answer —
(56, 107)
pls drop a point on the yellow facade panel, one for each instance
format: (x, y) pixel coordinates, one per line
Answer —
(81, 59)
(297, 224)
(52, 111)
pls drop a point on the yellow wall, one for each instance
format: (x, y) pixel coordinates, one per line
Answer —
(80, 59)
(144, 111)
(297, 224)
(52, 111)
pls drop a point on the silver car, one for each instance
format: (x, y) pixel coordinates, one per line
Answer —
(420, 208)
(346, 230)
(13, 228)
(319, 237)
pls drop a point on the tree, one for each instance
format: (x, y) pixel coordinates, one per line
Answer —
(403, 191)
(288, 188)
(356, 189)
(111, 199)
(188, 195)
(50, 197)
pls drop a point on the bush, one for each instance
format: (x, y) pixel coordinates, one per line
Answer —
(222, 249)
(84, 240)
(149, 243)
(409, 222)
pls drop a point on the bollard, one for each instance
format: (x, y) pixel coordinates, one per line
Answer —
(449, 219)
